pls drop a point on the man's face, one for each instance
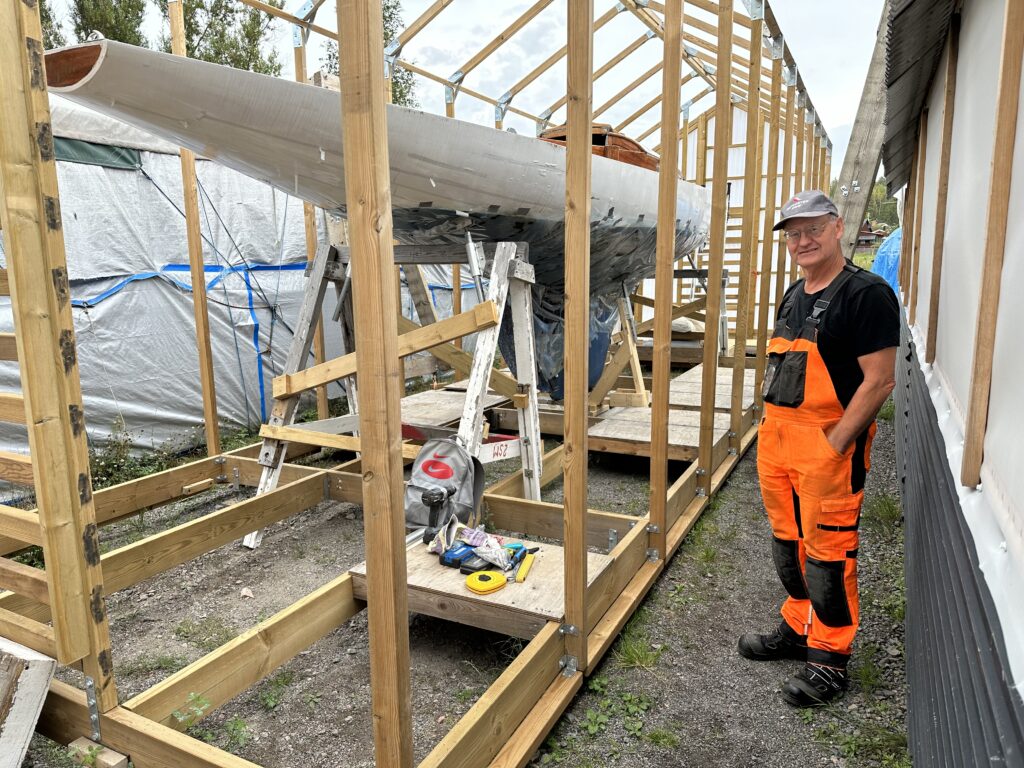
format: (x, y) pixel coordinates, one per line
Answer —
(816, 239)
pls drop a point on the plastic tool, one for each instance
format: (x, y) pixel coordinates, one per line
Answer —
(485, 582)
(524, 567)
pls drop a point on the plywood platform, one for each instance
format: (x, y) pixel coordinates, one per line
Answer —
(628, 431)
(436, 407)
(519, 610)
(684, 390)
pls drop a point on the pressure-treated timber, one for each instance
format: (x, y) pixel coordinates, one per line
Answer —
(580, 64)
(666, 246)
(24, 579)
(20, 524)
(792, 116)
(716, 236)
(194, 237)
(767, 234)
(1007, 104)
(907, 241)
(480, 316)
(752, 194)
(229, 670)
(915, 255)
(327, 440)
(41, 303)
(942, 195)
(8, 344)
(367, 190)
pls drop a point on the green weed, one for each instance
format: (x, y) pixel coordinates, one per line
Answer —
(146, 665)
(887, 411)
(634, 649)
(273, 690)
(662, 737)
(882, 513)
(595, 722)
(867, 673)
(195, 707)
(207, 634)
(237, 733)
(598, 684)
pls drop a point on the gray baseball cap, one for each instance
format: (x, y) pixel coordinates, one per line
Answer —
(805, 205)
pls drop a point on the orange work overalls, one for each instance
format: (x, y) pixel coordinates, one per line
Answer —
(812, 494)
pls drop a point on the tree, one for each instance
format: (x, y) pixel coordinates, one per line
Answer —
(114, 19)
(53, 37)
(224, 32)
(881, 207)
(403, 87)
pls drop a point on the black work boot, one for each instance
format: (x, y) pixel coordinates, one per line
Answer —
(815, 685)
(783, 643)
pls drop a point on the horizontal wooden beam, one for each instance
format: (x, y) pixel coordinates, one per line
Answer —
(28, 632)
(462, 362)
(521, 746)
(20, 524)
(542, 518)
(8, 346)
(65, 717)
(16, 467)
(483, 315)
(24, 580)
(155, 554)
(228, 671)
(325, 440)
(12, 407)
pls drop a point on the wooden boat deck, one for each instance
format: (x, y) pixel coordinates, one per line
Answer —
(519, 610)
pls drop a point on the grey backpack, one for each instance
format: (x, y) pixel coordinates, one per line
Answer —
(443, 463)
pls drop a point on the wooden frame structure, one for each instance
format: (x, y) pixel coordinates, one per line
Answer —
(508, 722)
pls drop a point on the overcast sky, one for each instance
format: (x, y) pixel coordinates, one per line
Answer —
(831, 41)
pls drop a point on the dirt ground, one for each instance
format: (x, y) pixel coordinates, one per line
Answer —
(672, 692)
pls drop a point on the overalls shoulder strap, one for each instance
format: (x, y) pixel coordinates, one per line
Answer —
(814, 319)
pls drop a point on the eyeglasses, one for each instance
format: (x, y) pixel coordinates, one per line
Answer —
(814, 230)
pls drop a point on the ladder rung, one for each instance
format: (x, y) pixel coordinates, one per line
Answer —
(24, 580)
(20, 524)
(8, 346)
(16, 468)
(326, 440)
(12, 407)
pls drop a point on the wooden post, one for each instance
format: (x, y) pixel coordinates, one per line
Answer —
(949, 102)
(195, 257)
(767, 235)
(787, 170)
(368, 197)
(907, 241)
(309, 219)
(798, 172)
(1007, 104)
(580, 64)
(668, 187)
(915, 257)
(809, 141)
(716, 255)
(37, 278)
(748, 235)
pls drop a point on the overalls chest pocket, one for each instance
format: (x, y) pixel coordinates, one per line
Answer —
(784, 379)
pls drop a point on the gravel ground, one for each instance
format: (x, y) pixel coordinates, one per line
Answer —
(672, 692)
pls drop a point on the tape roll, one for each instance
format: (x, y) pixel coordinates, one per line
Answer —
(485, 582)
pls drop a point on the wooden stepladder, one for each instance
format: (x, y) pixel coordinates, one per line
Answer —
(511, 279)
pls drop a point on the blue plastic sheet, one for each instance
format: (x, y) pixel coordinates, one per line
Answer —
(887, 260)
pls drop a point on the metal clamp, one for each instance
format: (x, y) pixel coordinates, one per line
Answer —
(569, 665)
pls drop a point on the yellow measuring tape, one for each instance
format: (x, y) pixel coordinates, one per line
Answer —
(485, 582)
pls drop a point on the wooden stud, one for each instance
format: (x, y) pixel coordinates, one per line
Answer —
(701, 170)
(1007, 104)
(787, 169)
(8, 344)
(915, 255)
(577, 315)
(799, 180)
(668, 190)
(907, 241)
(948, 106)
(194, 235)
(767, 234)
(368, 196)
(41, 302)
(748, 239)
(309, 222)
(424, 19)
(716, 255)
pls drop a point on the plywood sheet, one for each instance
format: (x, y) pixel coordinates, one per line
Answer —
(435, 407)
(517, 609)
(24, 680)
(684, 390)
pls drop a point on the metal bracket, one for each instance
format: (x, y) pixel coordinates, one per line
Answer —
(810, 116)
(801, 99)
(613, 538)
(299, 32)
(94, 711)
(652, 528)
(701, 472)
(449, 94)
(393, 49)
(221, 478)
(649, 34)
(652, 555)
(236, 484)
(732, 452)
(569, 665)
(711, 69)
(776, 48)
(689, 50)
(456, 77)
(220, 460)
(789, 75)
(685, 109)
(568, 629)
(700, 491)
(755, 8)
(502, 106)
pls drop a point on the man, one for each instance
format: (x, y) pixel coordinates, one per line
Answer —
(831, 366)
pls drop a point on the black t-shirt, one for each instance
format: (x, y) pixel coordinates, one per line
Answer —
(864, 317)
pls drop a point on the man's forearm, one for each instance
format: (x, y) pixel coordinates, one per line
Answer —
(861, 411)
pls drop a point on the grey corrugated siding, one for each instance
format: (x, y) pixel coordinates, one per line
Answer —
(917, 34)
(961, 709)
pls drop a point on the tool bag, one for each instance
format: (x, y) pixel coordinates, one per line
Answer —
(443, 463)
